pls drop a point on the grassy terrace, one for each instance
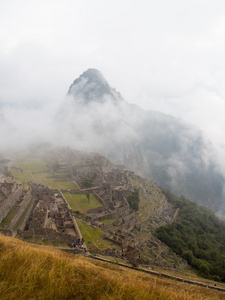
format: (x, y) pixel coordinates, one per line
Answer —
(8, 219)
(30, 166)
(106, 221)
(22, 217)
(94, 235)
(80, 201)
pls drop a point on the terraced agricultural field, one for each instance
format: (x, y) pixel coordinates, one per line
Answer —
(93, 237)
(21, 219)
(80, 201)
(30, 166)
(106, 221)
(7, 220)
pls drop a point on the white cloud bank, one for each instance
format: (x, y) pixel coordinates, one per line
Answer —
(165, 55)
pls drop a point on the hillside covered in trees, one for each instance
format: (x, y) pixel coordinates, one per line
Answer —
(197, 235)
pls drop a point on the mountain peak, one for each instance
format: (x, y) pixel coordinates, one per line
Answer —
(92, 86)
(93, 75)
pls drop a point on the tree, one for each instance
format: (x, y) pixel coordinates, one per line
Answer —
(87, 183)
(88, 196)
(134, 200)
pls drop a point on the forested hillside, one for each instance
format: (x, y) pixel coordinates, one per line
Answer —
(197, 235)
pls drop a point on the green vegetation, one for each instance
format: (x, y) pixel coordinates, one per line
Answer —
(32, 272)
(26, 186)
(8, 219)
(94, 234)
(106, 221)
(80, 201)
(48, 180)
(134, 200)
(27, 171)
(31, 164)
(198, 236)
(87, 183)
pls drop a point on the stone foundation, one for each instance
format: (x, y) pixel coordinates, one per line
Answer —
(48, 234)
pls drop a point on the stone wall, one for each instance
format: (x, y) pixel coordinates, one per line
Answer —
(10, 202)
(113, 214)
(73, 219)
(99, 198)
(23, 206)
(48, 234)
(5, 232)
(122, 210)
(95, 210)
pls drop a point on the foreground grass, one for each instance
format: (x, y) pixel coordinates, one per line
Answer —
(35, 272)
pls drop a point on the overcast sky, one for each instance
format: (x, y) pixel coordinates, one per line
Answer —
(166, 55)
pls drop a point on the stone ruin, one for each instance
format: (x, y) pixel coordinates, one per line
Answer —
(50, 218)
(9, 194)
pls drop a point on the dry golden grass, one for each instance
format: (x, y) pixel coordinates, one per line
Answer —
(39, 272)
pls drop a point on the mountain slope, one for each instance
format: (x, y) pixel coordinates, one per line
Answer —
(31, 272)
(157, 146)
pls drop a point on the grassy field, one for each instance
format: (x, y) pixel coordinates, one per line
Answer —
(94, 234)
(80, 202)
(61, 185)
(30, 166)
(33, 272)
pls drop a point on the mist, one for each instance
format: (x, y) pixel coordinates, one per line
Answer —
(162, 57)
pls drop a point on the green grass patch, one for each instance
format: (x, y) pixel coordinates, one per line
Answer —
(8, 219)
(43, 178)
(92, 234)
(65, 185)
(56, 244)
(22, 176)
(64, 245)
(106, 221)
(38, 241)
(46, 242)
(32, 165)
(80, 201)
(38, 165)
(61, 245)
(26, 186)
